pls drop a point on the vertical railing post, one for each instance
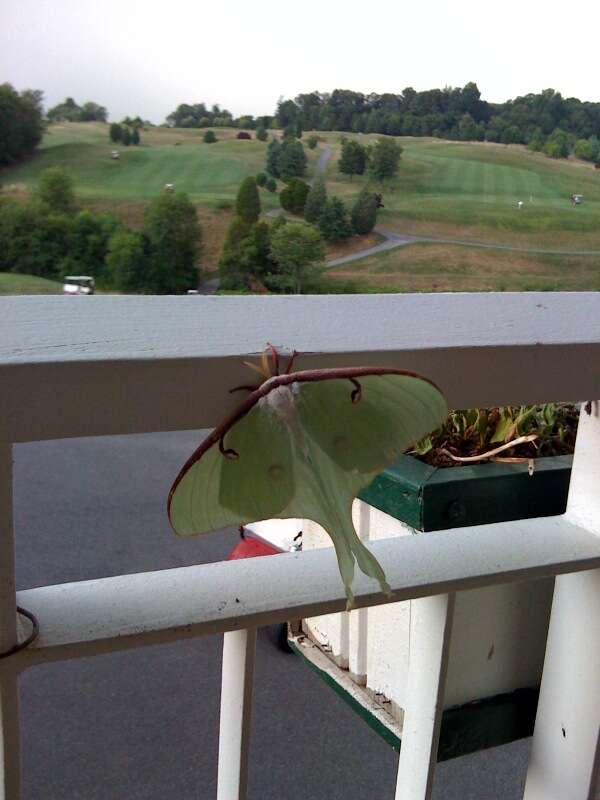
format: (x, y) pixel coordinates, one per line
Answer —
(428, 666)
(236, 705)
(565, 756)
(10, 772)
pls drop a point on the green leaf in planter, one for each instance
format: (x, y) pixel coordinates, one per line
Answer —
(303, 445)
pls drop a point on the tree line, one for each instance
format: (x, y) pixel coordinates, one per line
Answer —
(450, 113)
(49, 235)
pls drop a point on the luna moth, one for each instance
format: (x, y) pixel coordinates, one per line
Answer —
(303, 445)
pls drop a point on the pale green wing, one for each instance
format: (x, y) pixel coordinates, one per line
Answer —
(217, 492)
(346, 444)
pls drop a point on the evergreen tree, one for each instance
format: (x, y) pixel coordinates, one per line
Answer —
(333, 221)
(126, 137)
(315, 201)
(271, 185)
(273, 156)
(364, 212)
(384, 158)
(293, 197)
(247, 203)
(135, 136)
(115, 132)
(353, 159)
(261, 179)
(312, 142)
(292, 160)
(209, 137)
(173, 234)
(261, 134)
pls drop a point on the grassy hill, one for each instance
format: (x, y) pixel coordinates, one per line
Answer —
(27, 284)
(207, 172)
(470, 191)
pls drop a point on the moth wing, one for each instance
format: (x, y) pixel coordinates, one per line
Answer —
(217, 492)
(393, 412)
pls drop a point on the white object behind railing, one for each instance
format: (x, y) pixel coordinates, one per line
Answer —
(126, 364)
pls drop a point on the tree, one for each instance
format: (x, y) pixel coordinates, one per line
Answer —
(273, 156)
(353, 159)
(115, 132)
(583, 149)
(247, 203)
(292, 160)
(312, 142)
(261, 134)
(299, 252)
(271, 185)
(315, 201)
(261, 179)
(88, 245)
(135, 136)
(173, 234)
(126, 137)
(21, 123)
(333, 221)
(293, 197)
(34, 239)
(209, 137)
(558, 144)
(55, 189)
(384, 158)
(232, 272)
(127, 260)
(364, 212)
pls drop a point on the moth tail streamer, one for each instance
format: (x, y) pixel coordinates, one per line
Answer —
(349, 548)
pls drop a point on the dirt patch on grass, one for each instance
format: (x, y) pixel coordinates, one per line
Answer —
(352, 245)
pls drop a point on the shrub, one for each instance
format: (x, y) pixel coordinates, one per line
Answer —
(364, 212)
(115, 132)
(126, 137)
(224, 205)
(209, 137)
(261, 179)
(247, 203)
(312, 142)
(243, 135)
(135, 136)
(261, 134)
(271, 185)
(293, 197)
(333, 222)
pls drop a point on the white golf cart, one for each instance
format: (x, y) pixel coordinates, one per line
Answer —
(79, 284)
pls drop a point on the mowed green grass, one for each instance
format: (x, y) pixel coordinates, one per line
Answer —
(27, 284)
(207, 172)
(472, 190)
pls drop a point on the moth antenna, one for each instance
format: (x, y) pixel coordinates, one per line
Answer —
(357, 391)
(262, 371)
(275, 359)
(245, 388)
(290, 363)
(229, 453)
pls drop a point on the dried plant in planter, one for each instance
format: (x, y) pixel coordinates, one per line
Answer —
(501, 433)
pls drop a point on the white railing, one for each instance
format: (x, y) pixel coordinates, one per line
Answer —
(106, 365)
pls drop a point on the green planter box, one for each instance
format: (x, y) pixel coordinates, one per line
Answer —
(432, 498)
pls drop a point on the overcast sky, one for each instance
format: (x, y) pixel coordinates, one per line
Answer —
(146, 57)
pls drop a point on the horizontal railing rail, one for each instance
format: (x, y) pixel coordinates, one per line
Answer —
(88, 617)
